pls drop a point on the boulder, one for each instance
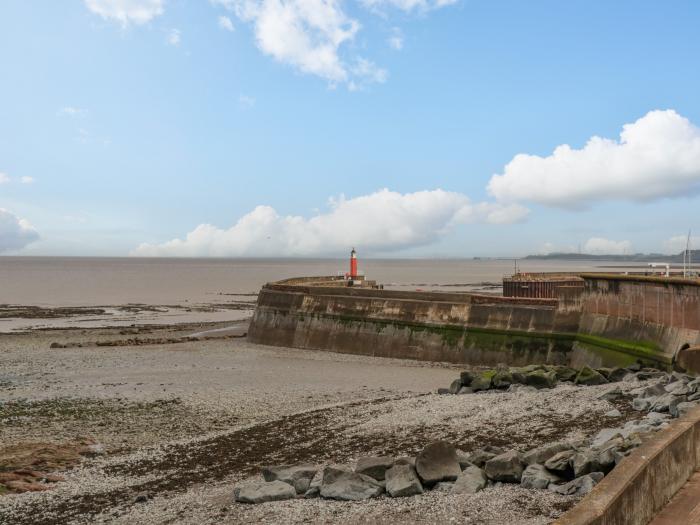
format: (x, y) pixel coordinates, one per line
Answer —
(541, 379)
(465, 390)
(606, 434)
(564, 373)
(617, 374)
(543, 453)
(634, 367)
(585, 462)
(588, 376)
(502, 379)
(536, 476)
(650, 373)
(605, 372)
(298, 476)
(694, 385)
(402, 480)
(348, 486)
(438, 462)
(678, 388)
(579, 486)
(663, 403)
(470, 481)
(262, 491)
(560, 463)
(642, 404)
(466, 378)
(315, 485)
(682, 408)
(455, 386)
(374, 466)
(482, 381)
(655, 390)
(481, 455)
(694, 397)
(505, 467)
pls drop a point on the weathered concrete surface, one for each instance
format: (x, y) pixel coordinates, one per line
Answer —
(644, 482)
(458, 328)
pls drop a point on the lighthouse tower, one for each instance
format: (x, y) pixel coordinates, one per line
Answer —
(353, 264)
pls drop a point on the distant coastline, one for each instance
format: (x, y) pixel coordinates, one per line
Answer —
(637, 257)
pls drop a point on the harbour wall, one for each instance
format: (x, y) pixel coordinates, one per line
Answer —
(600, 324)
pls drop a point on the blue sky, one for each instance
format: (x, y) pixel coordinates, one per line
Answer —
(223, 127)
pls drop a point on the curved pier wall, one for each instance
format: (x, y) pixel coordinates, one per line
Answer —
(458, 328)
(664, 313)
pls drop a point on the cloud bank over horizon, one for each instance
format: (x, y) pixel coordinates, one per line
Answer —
(656, 156)
(15, 233)
(383, 221)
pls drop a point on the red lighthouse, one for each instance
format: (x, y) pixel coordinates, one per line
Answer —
(353, 264)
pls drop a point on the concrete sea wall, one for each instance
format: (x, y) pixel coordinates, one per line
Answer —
(579, 327)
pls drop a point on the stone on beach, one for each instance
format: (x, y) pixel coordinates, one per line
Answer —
(505, 467)
(470, 481)
(374, 466)
(560, 463)
(456, 386)
(579, 486)
(438, 462)
(402, 480)
(536, 476)
(541, 379)
(543, 453)
(298, 476)
(262, 491)
(588, 376)
(348, 486)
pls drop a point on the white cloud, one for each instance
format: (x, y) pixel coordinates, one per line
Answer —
(246, 102)
(656, 156)
(677, 243)
(601, 246)
(408, 5)
(308, 35)
(126, 11)
(381, 221)
(226, 23)
(4, 179)
(396, 39)
(15, 233)
(173, 37)
(70, 111)
(26, 180)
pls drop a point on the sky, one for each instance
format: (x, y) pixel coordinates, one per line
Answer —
(404, 128)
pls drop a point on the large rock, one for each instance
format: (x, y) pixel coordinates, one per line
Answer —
(541, 379)
(543, 453)
(262, 491)
(349, 486)
(402, 480)
(438, 462)
(505, 467)
(664, 403)
(617, 374)
(470, 481)
(536, 476)
(406, 460)
(298, 476)
(315, 485)
(642, 404)
(678, 388)
(502, 379)
(585, 462)
(588, 376)
(561, 463)
(374, 466)
(466, 377)
(481, 455)
(679, 407)
(456, 386)
(611, 394)
(482, 381)
(579, 486)
(565, 373)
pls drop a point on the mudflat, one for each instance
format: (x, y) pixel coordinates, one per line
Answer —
(157, 424)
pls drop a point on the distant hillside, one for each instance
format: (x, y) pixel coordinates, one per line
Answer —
(637, 257)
